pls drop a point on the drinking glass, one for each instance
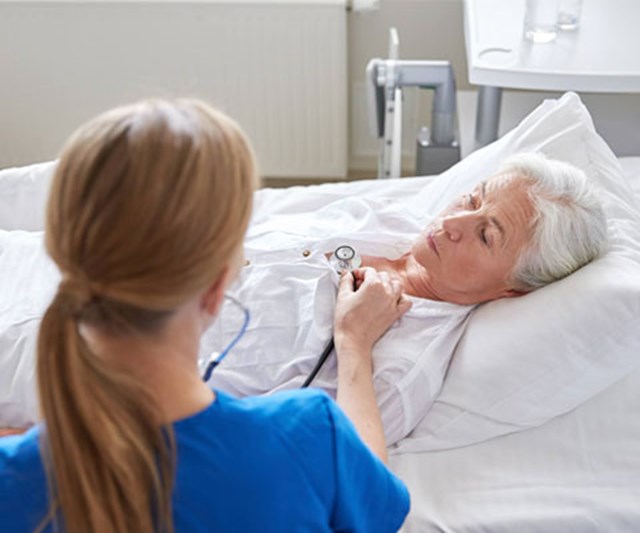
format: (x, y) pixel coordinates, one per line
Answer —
(569, 14)
(541, 20)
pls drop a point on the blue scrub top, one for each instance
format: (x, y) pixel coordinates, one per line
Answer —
(291, 461)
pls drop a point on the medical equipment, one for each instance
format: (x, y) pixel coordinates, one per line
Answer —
(344, 258)
(214, 359)
(321, 360)
(437, 149)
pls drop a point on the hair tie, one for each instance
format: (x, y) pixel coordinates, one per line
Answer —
(80, 292)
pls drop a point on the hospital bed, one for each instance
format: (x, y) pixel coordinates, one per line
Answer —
(537, 425)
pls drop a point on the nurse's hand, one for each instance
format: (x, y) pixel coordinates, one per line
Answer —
(369, 302)
(362, 315)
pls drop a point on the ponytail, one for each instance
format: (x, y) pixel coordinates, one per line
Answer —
(109, 462)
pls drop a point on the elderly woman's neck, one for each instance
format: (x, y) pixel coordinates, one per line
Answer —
(413, 276)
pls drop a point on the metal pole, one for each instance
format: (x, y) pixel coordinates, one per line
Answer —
(488, 115)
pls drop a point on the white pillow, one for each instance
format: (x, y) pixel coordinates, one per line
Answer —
(28, 280)
(23, 196)
(631, 168)
(526, 360)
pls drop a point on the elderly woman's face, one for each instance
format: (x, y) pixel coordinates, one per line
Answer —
(470, 250)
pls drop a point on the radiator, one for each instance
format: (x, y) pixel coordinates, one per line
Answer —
(279, 67)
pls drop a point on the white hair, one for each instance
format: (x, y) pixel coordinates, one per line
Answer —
(569, 225)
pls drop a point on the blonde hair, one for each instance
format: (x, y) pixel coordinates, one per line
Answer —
(147, 207)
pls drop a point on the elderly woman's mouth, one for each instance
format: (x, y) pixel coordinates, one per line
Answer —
(432, 243)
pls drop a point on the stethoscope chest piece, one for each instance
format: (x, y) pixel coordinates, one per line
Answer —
(345, 258)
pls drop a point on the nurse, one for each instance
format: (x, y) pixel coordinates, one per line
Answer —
(146, 218)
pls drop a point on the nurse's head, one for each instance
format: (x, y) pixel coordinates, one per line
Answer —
(536, 221)
(147, 210)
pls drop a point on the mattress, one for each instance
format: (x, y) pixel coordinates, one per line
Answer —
(577, 473)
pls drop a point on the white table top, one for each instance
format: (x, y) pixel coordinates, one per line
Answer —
(603, 55)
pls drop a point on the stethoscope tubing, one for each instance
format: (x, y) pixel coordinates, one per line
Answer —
(325, 355)
(245, 324)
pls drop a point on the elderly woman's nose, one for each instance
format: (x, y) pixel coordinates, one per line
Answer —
(453, 226)
(461, 222)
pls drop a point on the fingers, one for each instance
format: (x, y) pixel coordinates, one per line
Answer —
(392, 286)
(369, 276)
(363, 315)
(363, 274)
(346, 283)
(396, 288)
(404, 304)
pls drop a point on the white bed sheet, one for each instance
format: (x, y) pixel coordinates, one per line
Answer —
(577, 473)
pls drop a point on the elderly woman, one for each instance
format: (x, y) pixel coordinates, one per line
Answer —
(536, 221)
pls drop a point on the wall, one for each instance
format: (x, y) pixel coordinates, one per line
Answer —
(428, 29)
(276, 66)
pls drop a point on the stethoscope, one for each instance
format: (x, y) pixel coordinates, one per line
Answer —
(344, 258)
(215, 359)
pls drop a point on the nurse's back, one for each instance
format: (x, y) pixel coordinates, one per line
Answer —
(146, 218)
(286, 462)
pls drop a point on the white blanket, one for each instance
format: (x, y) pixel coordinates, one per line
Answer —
(28, 281)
